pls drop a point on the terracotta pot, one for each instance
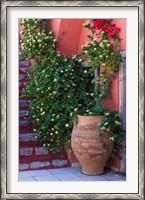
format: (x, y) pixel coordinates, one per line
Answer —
(91, 146)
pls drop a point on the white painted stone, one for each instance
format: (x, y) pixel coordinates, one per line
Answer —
(24, 63)
(26, 151)
(25, 69)
(38, 164)
(23, 76)
(58, 162)
(26, 137)
(22, 113)
(23, 122)
(23, 166)
(41, 151)
(23, 102)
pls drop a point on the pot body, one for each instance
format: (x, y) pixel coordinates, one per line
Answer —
(91, 146)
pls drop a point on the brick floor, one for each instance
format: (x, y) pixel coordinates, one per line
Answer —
(67, 174)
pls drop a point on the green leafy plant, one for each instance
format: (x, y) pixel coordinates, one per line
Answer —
(103, 55)
(61, 88)
(112, 124)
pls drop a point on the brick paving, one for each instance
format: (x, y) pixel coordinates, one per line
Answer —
(67, 174)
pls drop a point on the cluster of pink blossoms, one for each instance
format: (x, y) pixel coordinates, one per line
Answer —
(105, 25)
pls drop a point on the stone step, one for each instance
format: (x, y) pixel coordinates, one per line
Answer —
(29, 151)
(24, 70)
(39, 153)
(22, 85)
(29, 140)
(24, 63)
(27, 137)
(24, 104)
(30, 144)
(34, 165)
(22, 113)
(24, 98)
(26, 126)
(20, 93)
(24, 78)
(37, 165)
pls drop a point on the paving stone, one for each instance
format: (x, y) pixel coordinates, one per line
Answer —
(41, 172)
(26, 151)
(46, 178)
(68, 177)
(58, 162)
(26, 137)
(59, 171)
(90, 178)
(41, 150)
(38, 164)
(23, 166)
(111, 175)
(27, 179)
(118, 179)
(24, 174)
(74, 169)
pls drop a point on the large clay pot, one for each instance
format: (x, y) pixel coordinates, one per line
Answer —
(91, 146)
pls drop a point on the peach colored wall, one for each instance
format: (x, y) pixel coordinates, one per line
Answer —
(113, 102)
(68, 44)
(71, 43)
(76, 36)
(55, 24)
(121, 23)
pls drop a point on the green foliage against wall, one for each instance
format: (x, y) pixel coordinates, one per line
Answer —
(61, 87)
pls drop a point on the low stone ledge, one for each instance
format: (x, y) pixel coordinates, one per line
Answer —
(27, 137)
(58, 162)
(35, 165)
(41, 151)
(26, 151)
(23, 166)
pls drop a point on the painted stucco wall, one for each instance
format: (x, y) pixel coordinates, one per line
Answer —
(113, 102)
(75, 35)
(68, 42)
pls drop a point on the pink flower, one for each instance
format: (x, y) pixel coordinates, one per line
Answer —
(105, 25)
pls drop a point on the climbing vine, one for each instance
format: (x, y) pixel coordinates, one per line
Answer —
(61, 88)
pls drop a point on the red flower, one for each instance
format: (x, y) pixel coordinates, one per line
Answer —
(97, 23)
(105, 25)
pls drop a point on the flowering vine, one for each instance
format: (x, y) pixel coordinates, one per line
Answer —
(102, 53)
(61, 88)
(105, 25)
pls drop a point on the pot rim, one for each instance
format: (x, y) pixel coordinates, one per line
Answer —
(90, 115)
